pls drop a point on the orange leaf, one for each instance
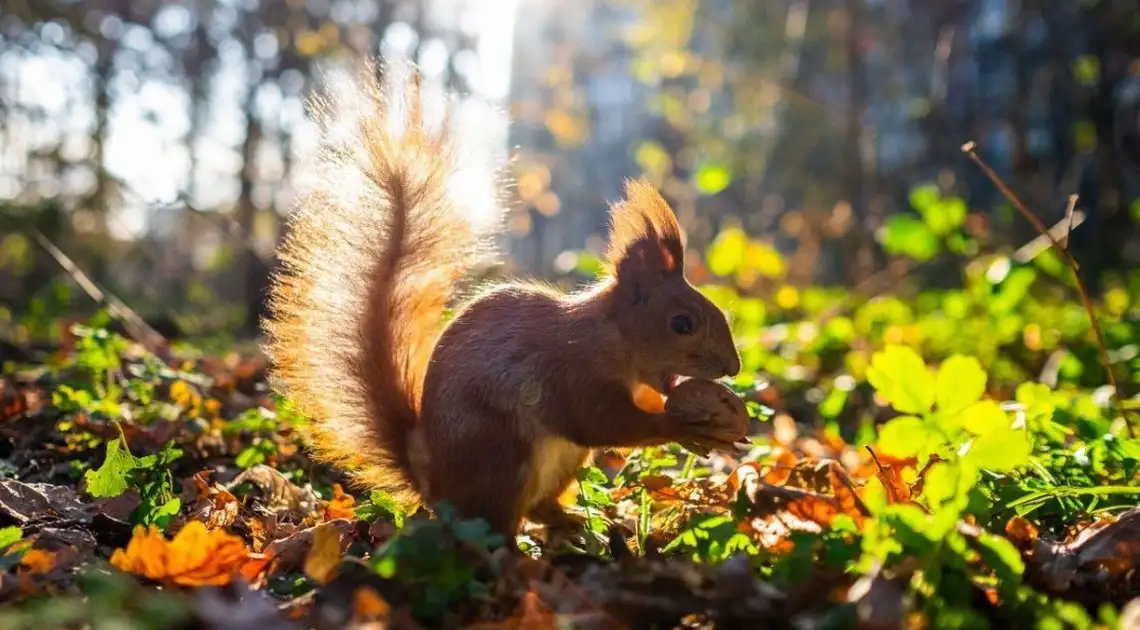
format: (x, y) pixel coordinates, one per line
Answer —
(368, 605)
(340, 506)
(897, 490)
(37, 561)
(1021, 532)
(255, 566)
(845, 493)
(782, 462)
(195, 556)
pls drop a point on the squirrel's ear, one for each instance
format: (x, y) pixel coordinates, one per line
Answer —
(645, 239)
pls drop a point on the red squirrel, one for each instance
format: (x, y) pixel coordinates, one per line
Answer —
(495, 410)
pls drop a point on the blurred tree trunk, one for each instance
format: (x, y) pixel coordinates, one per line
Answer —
(99, 202)
(860, 254)
(253, 269)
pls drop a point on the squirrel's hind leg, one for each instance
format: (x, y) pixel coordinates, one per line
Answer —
(551, 514)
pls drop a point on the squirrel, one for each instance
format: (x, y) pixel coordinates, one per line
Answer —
(495, 408)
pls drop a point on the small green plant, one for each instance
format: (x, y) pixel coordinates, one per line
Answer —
(444, 560)
(149, 475)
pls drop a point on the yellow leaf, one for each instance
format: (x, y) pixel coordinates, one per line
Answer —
(323, 559)
(195, 557)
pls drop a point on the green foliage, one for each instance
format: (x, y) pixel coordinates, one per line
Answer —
(380, 505)
(149, 475)
(937, 227)
(110, 479)
(711, 178)
(10, 535)
(439, 559)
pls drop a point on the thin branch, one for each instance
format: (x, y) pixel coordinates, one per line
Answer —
(970, 149)
(136, 327)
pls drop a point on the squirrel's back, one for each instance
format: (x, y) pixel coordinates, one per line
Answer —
(382, 233)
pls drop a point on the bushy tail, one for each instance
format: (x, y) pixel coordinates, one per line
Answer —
(381, 235)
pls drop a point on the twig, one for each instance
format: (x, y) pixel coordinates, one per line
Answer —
(138, 329)
(970, 149)
(1069, 209)
(874, 457)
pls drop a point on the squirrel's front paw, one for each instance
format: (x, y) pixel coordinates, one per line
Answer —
(709, 416)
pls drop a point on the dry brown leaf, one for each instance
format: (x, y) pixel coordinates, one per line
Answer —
(196, 556)
(323, 559)
(281, 495)
(26, 502)
(214, 506)
(768, 500)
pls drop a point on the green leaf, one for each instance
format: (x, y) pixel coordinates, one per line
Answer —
(984, 417)
(961, 382)
(940, 484)
(945, 216)
(1000, 450)
(10, 535)
(712, 178)
(924, 196)
(907, 236)
(904, 437)
(110, 480)
(381, 504)
(901, 377)
(1001, 556)
(158, 515)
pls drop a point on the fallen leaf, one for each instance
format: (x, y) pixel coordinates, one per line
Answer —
(368, 605)
(27, 502)
(196, 556)
(1101, 558)
(1021, 532)
(35, 561)
(323, 559)
(897, 490)
(781, 464)
(214, 506)
(845, 493)
(292, 550)
(281, 495)
(340, 506)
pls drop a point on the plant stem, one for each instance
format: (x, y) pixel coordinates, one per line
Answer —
(970, 149)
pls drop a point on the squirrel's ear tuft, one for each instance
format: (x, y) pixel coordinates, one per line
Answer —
(645, 237)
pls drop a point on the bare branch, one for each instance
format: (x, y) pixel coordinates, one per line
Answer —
(970, 148)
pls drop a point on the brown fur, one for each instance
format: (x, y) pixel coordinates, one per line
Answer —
(496, 411)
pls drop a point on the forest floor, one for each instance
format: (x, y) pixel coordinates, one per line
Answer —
(145, 493)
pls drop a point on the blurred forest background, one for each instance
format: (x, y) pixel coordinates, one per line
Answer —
(152, 143)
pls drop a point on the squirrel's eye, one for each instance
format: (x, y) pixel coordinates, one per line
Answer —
(682, 324)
